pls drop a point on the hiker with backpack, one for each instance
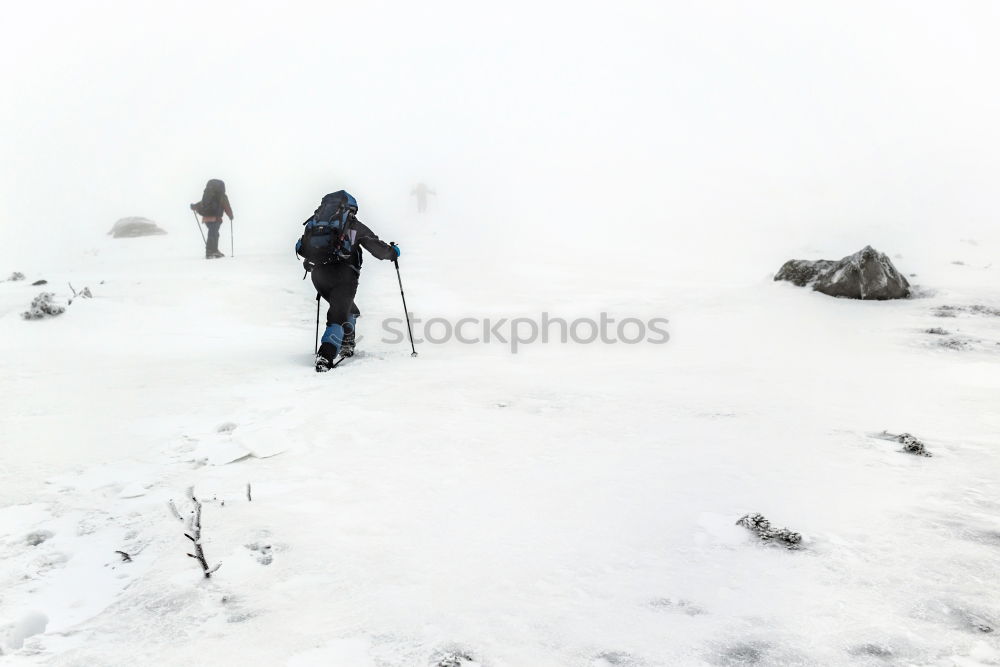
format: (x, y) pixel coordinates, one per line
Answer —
(331, 248)
(214, 202)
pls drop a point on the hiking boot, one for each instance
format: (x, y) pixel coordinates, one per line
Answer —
(323, 364)
(347, 347)
(214, 255)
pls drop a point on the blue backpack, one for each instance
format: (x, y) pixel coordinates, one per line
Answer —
(328, 236)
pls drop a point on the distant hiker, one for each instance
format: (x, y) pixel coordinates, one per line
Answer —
(421, 191)
(214, 202)
(331, 246)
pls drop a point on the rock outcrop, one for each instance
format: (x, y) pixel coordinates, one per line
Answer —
(867, 274)
(127, 228)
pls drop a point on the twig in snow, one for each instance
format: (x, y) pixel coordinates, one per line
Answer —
(194, 534)
(125, 557)
(249, 496)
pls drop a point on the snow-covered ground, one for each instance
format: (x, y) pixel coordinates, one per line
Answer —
(567, 505)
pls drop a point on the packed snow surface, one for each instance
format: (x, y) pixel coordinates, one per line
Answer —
(565, 505)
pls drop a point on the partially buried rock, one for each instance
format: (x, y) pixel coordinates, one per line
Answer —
(803, 272)
(867, 274)
(127, 228)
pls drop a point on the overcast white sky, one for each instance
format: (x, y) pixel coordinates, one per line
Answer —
(664, 117)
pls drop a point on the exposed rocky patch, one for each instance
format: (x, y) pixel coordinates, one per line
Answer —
(43, 306)
(761, 527)
(135, 226)
(959, 344)
(975, 309)
(867, 274)
(453, 658)
(911, 444)
(937, 331)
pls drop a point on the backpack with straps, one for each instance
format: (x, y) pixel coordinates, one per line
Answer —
(211, 200)
(328, 237)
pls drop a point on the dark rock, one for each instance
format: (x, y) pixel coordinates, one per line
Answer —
(937, 331)
(39, 282)
(801, 272)
(867, 274)
(135, 226)
(15, 277)
(761, 527)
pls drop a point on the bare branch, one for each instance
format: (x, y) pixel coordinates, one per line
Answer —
(195, 535)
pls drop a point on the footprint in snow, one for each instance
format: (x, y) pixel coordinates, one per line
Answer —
(262, 552)
(36, 537)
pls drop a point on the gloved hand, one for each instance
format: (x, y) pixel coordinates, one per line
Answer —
(194, 207)
(307, 266)
(394, 247)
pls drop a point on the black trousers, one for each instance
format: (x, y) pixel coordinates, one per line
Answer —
(338, 284)
(212, 242)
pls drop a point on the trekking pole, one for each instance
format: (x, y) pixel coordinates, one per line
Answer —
(405, 311)
(316, 344)
(232, 248)
(200, 230)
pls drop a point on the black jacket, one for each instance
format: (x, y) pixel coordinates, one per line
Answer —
(362, 237)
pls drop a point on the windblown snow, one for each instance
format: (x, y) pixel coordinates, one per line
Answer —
(565, 505)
